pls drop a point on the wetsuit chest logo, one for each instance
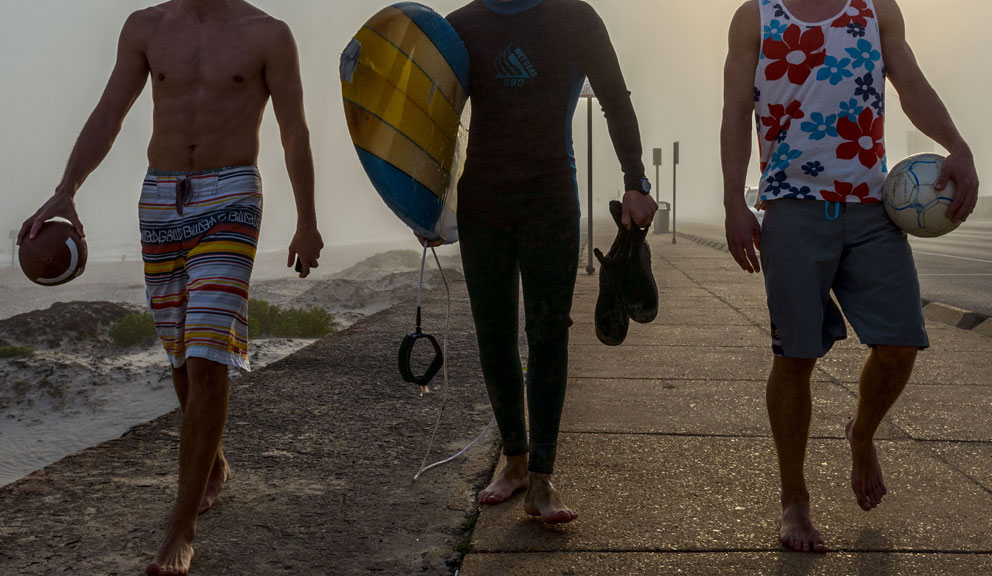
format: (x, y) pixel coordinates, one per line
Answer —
(513, 67)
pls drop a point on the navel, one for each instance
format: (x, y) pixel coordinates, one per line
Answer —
(161, 77)
(239, 79)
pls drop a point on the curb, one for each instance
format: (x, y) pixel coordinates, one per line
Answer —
(932, 311)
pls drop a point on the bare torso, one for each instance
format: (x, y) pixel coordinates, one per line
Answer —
(208, 84)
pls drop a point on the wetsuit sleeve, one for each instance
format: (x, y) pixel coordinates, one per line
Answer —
(599, 62)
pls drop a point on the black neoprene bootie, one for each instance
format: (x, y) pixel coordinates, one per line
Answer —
(612, 319)
(640, 289)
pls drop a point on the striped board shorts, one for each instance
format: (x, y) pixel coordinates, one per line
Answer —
(199, 233)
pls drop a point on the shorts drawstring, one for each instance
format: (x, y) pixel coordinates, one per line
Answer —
(826, 210)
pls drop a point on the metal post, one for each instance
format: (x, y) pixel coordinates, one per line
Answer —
(657, 192)
(590, 269)
(13, 248)
(675, 182)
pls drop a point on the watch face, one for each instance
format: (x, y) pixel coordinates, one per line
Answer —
(645, 185)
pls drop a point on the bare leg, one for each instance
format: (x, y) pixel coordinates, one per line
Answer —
(511, 479)
(221, 472)
(883, 379)
(789, 410)
(204, 417)
(542, 500)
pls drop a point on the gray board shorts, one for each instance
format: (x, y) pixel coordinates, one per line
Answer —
(810, 247)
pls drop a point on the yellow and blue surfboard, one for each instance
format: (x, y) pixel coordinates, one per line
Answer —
(405, 78)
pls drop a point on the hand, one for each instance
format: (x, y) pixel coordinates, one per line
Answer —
(306, 246)
(59, 205)
(431, 244)
(960, 167)
(743, 235)
(638, 209)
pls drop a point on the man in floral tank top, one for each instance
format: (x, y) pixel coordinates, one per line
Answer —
(812, 74)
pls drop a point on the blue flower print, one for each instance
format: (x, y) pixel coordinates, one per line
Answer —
(856, 30)
(766, 2)
(865, 55)
(834, 70)
(782, 136)
(780, 12)
(757, 96)
(777, 184)
(813, 169)
(803, 193)
(775, 29)
(783, 156)
(851, 109)
(820, 127)
(865, 87)
(885, 164)
(879, 105)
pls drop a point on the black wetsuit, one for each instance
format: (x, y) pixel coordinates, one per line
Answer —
(518, 211)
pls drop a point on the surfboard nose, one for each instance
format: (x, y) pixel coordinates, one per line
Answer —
(349, 60)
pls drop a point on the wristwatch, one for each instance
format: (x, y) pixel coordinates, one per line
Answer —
(645, 186)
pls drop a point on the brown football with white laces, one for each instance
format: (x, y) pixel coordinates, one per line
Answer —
(55, 256)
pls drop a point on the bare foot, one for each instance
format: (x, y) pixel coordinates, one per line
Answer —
(511, 479)
(173, 558)
(542, 500)
(866, 473)
(219, 476)
(796, 530)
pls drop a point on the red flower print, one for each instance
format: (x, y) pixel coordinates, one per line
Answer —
(846, 192)
(864, 139)
(781, 118)
(797, 54)
(857, 13)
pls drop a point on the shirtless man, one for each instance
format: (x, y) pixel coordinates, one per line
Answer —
(214, 64)
(814, 71)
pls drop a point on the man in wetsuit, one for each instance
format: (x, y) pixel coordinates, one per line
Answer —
(518, 212)
(214, 65)
(814, 74)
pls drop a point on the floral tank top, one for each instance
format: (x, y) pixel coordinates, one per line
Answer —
(819, 101)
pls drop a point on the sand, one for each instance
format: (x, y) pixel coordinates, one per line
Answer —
(79, 389)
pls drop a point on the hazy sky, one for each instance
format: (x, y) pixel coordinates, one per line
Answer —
(57, 55)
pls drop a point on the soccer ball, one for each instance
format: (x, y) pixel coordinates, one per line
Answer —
(911, 200)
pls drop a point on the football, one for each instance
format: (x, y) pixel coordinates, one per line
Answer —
(912, 201)
(55, 256)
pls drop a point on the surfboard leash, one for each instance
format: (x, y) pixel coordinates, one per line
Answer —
(444, 373)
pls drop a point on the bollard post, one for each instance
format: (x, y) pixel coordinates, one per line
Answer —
(675, 182)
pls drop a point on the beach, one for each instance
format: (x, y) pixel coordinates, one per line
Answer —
(78, 389)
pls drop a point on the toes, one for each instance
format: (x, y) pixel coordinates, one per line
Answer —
(152, 570)
(820, 547)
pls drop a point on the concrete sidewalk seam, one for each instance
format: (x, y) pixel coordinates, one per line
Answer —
(729, 436)
(689, 551)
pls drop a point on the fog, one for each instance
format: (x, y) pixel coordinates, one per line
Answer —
(57, 55)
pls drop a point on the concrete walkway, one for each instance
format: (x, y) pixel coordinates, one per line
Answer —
(665, 449)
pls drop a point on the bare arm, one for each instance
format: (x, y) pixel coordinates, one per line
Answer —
(926, 110)
(125, 85)
(282, 76)
(743, 231)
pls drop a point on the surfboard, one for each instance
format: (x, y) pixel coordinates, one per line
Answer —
(404, 79)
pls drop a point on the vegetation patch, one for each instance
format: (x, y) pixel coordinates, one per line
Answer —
(15, 352)
(134, 329)
(269, 320)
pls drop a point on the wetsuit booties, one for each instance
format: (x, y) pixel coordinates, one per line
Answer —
(627, 288)
(640, 291)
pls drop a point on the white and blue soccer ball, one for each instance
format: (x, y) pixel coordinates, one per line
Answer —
(912, 201)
